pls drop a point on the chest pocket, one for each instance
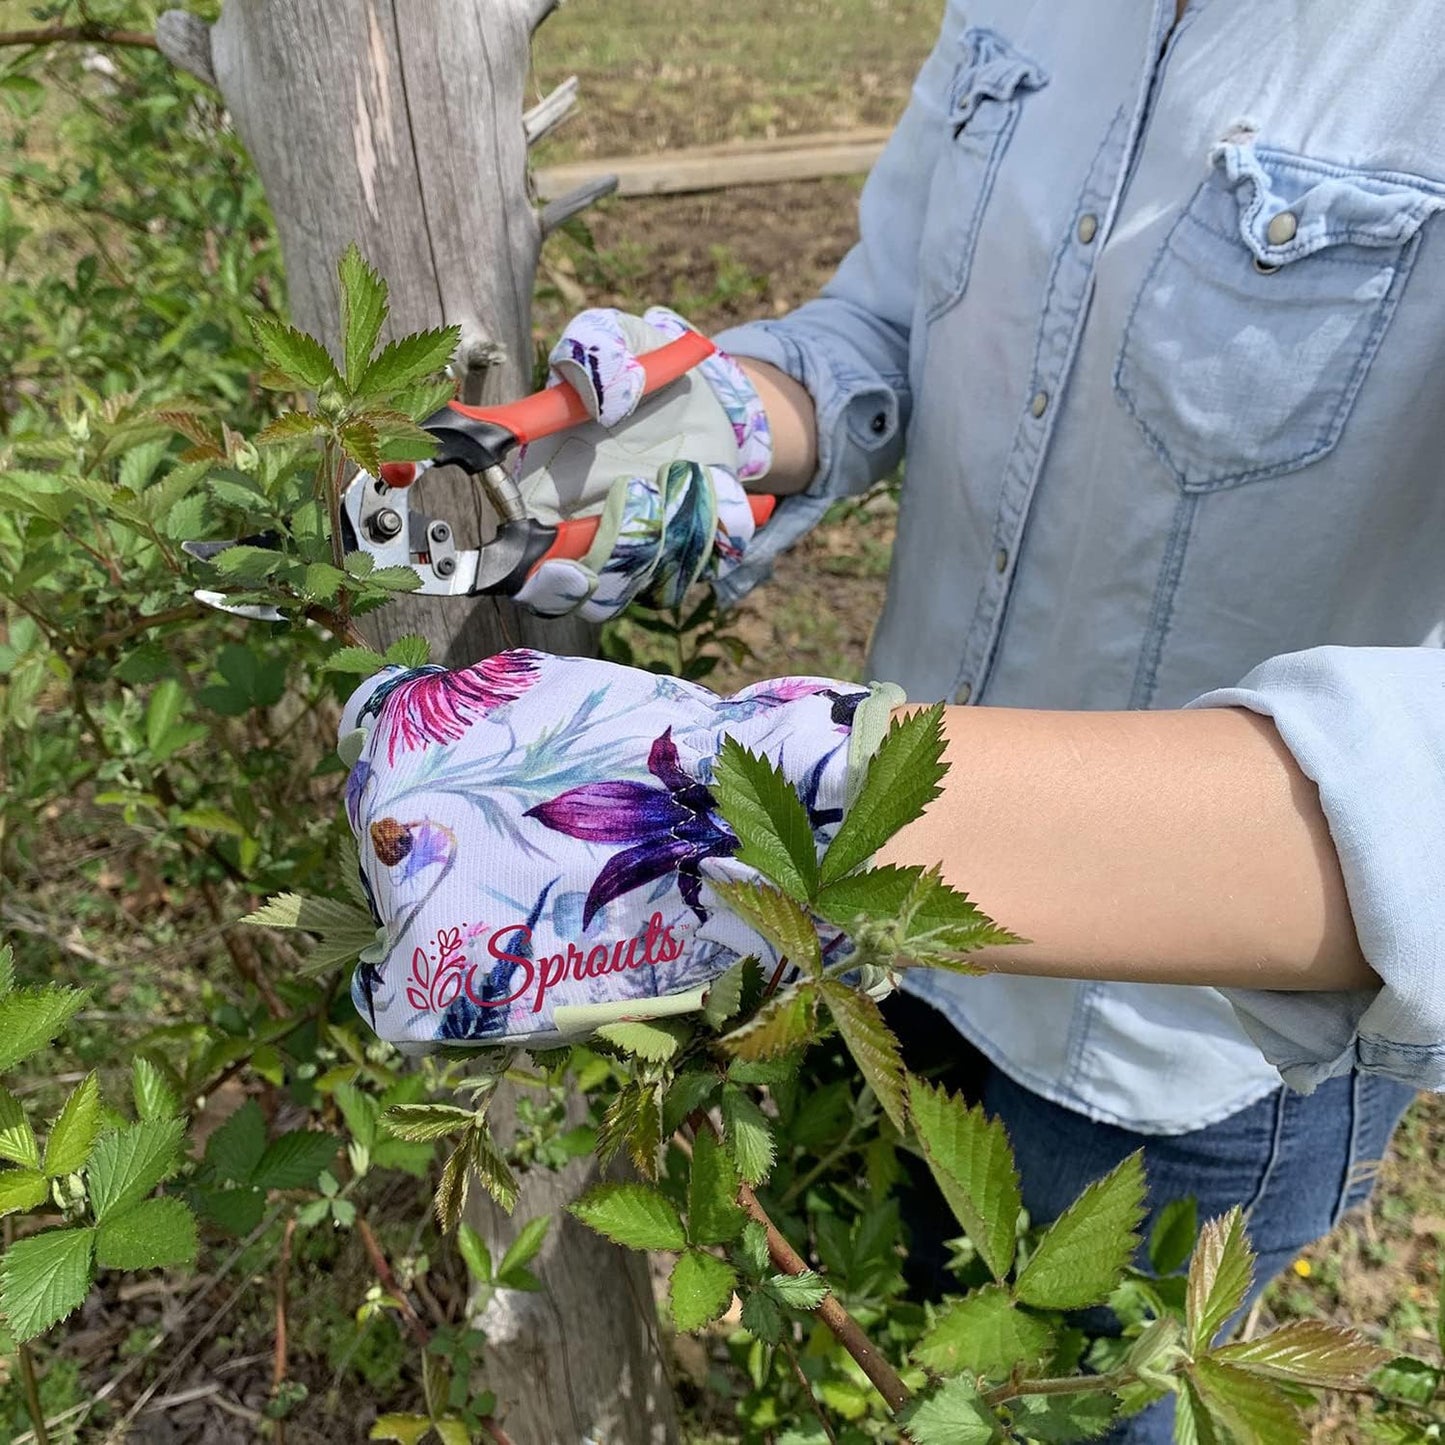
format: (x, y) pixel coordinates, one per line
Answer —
(1261, 315)
(983, 108)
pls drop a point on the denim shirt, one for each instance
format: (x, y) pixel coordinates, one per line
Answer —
(1159, 317)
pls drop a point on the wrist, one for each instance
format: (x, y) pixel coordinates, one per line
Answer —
(792, 423)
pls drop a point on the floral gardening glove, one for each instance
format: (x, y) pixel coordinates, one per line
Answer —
(537, 835)
(664, 474)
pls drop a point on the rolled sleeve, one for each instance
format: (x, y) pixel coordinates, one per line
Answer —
(850, 347)
(1367, 725)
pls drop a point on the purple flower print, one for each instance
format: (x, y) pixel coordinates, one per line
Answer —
(434, 704)
(670, 829)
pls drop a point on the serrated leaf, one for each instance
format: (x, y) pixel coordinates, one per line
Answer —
(1048, 1419)
(492, 1168)
(166, 701)
(1248, 1407)
(126, 1165)
(725, 993)
(971, 1160)
(1086, 1250)
(762, 808)
(778, 918)
(17, 1138)
(407, 1429)
(941, 921)
(762, 1318)
(362, 445)
(363, 311)
(325, 916)
(955, 1414)
(418, 1123)
(154, 1097)
(31, 1017)
(361, 1112)
(901, 781)
(243, 563)
(395, 579)
(874, 1048)
(700, 1289)
(235, 1149)
(1193, 1424)
(804, 1291)
(689, 1090)
(7, 963)
(655, 1040)
(156, 1234)
(1219, 1278)
(984, 1334)
(1307, 1352)
(301, 358)
(713, 1213)
(290, 426)
(523, 1249)
(44, 1278)
(409, 651)
(786, 1022)
(322, 581)
(1171, 1241)
(633, 1215)
(237, 1210)
(295, 1160)
(748, 1134)
(452, 1431)
(408, 360)
(475, 1254)
(360, 660)
(453, 1187)
(22, 1189)
(1406, 1378)
(74, 1130)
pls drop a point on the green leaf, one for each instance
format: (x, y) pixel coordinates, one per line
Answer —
(1248, 1407)
(164, 708)
(362, 445)
(238, 1211)
(1219, 1278)
(31, 1017)
(360, 660)
(713, 1214)
(1171, 1241)
(766, 813)
(363, 310)
(633, 1215)
(301, 358)
(408, 1429)
(44, 1278)
(873, 1046)
(361, 1112)
(209, 820)
(1063, 1418)
(322, 581)
(154, 1097)
(17, 1138)
(984, 1334)
(453, 1186)
(22, 1189)
(235, 1149)
(243, 563)
(295, 1160)
(395, 579)
(804, 1291)
(7, 956)
(452, 1430)
(401, 363)
(291, 426)
(952, 1415)
(1088, 1247)
(1307, 1352)
(126, 1165)
(780, 920)
(1193, 1424)
(653, 1040)
(902, 780)
(157, 1234)
(475, 1254)
(972, 1162)
(523, 1249)
(725, 994)
(419, 1123)
(786, 1022)
(700, 1289)
(74, 1131)
(762, 1318)
(491, 1167)
(1405, 1378)
(409, 651)
(748, 1134)
(325, 916)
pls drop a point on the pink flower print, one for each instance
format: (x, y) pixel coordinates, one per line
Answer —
(437, 972)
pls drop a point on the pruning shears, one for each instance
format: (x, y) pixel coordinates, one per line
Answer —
(377, 516)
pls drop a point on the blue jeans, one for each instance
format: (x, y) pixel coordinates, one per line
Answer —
(1296, 1163)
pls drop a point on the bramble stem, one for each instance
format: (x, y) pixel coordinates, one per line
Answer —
(92, 33)
(32, 1395)
(1064, 1385)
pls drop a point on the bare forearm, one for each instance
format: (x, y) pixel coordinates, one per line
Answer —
(1158, 847)
(793, 425)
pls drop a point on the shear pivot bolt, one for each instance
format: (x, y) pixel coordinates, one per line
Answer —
(445, 566)
(440, 532)
(386, 524)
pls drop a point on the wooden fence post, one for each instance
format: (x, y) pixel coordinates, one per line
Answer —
(400, 124)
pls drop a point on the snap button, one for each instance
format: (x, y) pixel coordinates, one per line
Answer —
(1264, 267)
(1040, 404)
(1088, 228)
(1000, 560)
(1282, 228)
(879, 424)
(962, 696)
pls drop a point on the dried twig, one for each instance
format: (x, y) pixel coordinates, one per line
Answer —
(278, 1367)
(413, 1321)
(91, 32)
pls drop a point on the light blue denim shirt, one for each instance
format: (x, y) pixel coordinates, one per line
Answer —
(1160, 321)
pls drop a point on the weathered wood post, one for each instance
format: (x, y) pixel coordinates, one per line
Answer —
(402, 127)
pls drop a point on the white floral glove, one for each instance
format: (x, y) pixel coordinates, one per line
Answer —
(664, 474)
(537, 836)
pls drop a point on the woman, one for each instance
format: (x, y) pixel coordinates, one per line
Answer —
(1151, 300)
